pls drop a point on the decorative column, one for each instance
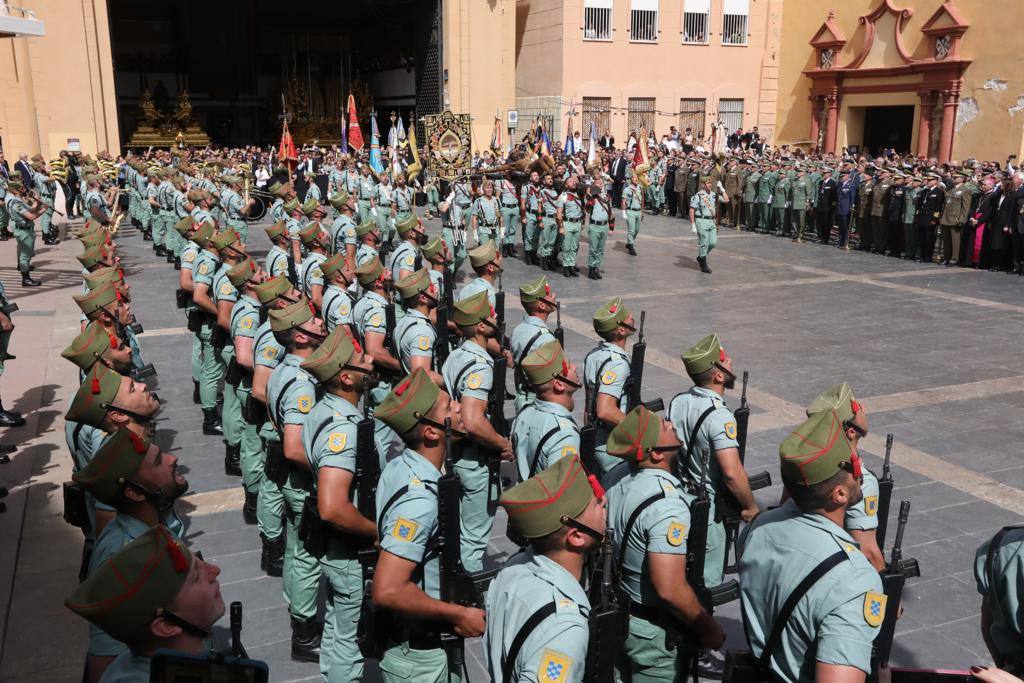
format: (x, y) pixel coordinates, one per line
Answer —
(924, 128)
(832, 130)
(950, 100)
(816, 107)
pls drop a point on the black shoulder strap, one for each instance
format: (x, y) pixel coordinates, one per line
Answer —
(280, 397)
(320, 429)
(74, 441)
(540, 447)
(798, 593)
(508, 661)
(395, 497)
(693, 433)
(631, 522)
(458, 378)
(529, 345)
(990, 557)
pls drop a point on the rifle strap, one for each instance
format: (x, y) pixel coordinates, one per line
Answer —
(592, 401)
(75, 434)
(508, 661)
(990, 559)
(529, 345)
(540, 448)
(277, 406)
(693, 438)
(782, 620)
(631, 522)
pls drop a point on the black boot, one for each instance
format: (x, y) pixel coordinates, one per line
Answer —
(710, 665)
(195, 392)
(631, 249)
(574, 271)
(305, 640)
(272, 558)
(170, 255)
(177, 264)
(5, 235)
(15, 413)
(11, 420)
(211, 422)
(232, 459)
(566, 271)
(249, 508)
(28, 281)
(597, 272)
(703, 261)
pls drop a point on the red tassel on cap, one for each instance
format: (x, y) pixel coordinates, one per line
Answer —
(547, 289)
(565, 367)
(613, 308)
(95, 385)
(721, 355)
(854, 406)
(137, 443)
(113, 342)
(400, 389)
(596, 486)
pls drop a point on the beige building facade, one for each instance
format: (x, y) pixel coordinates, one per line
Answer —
(631, 64)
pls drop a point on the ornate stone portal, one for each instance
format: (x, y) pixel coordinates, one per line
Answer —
(159, 130)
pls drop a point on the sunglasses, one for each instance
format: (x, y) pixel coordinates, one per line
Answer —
(862, 433)
(854, 466)
(583, 528)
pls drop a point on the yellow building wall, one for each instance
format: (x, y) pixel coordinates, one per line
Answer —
(59, 86)
(990, 124)
(479, 55)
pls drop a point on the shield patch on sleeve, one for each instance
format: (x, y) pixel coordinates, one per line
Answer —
(730, 430)
(874, 608)
(405, 530)
(554, 667)
(676, 534)
(871, 505)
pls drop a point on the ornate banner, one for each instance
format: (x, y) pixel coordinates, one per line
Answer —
(449, 144)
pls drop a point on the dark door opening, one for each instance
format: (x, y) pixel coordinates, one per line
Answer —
(888, 128)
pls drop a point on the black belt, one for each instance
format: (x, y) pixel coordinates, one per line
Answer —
(599, 223)
(488, 225)
(510, 205)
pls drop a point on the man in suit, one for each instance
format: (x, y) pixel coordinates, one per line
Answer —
(618, 174)
(25, 170)
(607, 141)
(825, 207)
(1017, 234)
(846, 198)
(671, 198)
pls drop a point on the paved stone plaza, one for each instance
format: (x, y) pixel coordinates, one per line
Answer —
(933, 354)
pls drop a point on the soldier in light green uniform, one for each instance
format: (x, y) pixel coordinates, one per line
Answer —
(633, 208)
(781, 202)
(338, 298)
(605, 374)
(163, 212)
(224, 296)
(563, 517)
(235, 207)
(702, 216)
(549, 203)
(5, 217)
(433, 196)
(46, 188)
(150, 206)
(539, 302)
(486, 262)
(312, 189)
(468, 376)
(384, 208)
(710, 368)
(545, 431)
(403, 197)
(650, 513)
(999, 574)
(128, 594)
(276, 262)
(24, 214)
(366, 191)
(486, 216)
(803, 193)
(329, 439)
(343, 229)
(311, 278)
(415, 337)
(572, 211)
(172, 240)
(291, 394)
(202, 323)
(600, 220)
(407, 570)
(509, 214)
(835, 623)
(402, 261)
(764, 198)
(529, 203)
(750, 199)
(196, 238)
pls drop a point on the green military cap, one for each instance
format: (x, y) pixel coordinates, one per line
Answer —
(410, 400)
(195, 196)
(166, 172)
(275, 189)
(433, 247)
(224, 239)
(703, 355)
(471, 310)
(309, 174)
(93, 238)
(88, 346)
(291, 204)
(291, 316)
(534, 290)
(309, 206)
(310, 233)
(276, 230)
(815, 450)
(91, 256)
(332, 355)
(635, 435)
(369, 271)
(272, 288)
(365, 228)
(610, 316)
(89, 404)
(545, 363)
(184, 225)
(125, 593)
(242, 272)
(333, 264)
(113, 465)
(15, 184)
(95, 299)
(414, 283)
(838, 398)
(406, 224)
(483, 254)
(203, 234)
(102, 276)
(536, 506)
(339, 199)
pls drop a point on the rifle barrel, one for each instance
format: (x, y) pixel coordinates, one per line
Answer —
(888, 455)
(897, 545)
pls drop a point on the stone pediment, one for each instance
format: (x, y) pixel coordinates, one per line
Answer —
(883, 38)
(829, 35)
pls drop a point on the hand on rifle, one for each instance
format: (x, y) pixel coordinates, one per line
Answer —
(470, 623)
(506, 450)
(747, 514)
(713, 636)
(5, 323)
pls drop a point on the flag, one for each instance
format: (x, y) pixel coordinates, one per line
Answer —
(401, 130)
(570, 146)
(355, 136)
(496, 133)
(393, 135)
(344, 137)
(287, 152)
(375, 161)
(545, 143)
(592, 153)
(415, 167)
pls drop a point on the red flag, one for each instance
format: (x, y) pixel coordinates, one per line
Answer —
(355, 136)
(286, 151)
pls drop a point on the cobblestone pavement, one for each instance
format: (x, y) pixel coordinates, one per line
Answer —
(932, 352)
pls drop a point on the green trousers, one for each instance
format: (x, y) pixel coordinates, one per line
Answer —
(487, 233)
(340, 658)
(5, 218)
(707, 236)
(251, 447)
(779, 220)
(160, 226)
(26, 239)
(301, 570)
(432, 200)
(646, 657)
(365, 210)
(714, 557)
(241, 227)
(531, 233)
(173, 242)
(597, 235)
(197, 358)
(46, 219)
(548, 236)
(270, 504)
(457, 251)
(212, 369)
(750, 215)
(632, 224)
(231, 411)
(510, 217)
(401, 663)
(386, 223)
(765, 216)
(5, 342)
(571, 242)
(476, 519)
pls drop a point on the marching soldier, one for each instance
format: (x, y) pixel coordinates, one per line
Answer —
(468, 377)
(414, 333)
(276, 262)
(633, 210)
(539, 301)
(432, 196)
(529, 211)
(344, 239)
(563, 517)
(407, 577)
(605, 373)
(486, 262)
(549, 202)
(311, 278)
(571, 216)
(545, 431)
(224, 295)
(384, 208)
(834, 624)
(403, 259)
(180, 209)
(486, 221)
(203, 271)
(710, 368)
(338, 298)
(47, 189)
(601, 219)
(312, 189)
(509, 214)
(702, 216)
(369, 242)
(366, 191)
(24, 215)
(163, 211)
(650, 514)
(109, 401)
(404, 204)
(435, 253)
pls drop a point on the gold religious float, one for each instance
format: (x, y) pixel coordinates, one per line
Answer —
(179, 130)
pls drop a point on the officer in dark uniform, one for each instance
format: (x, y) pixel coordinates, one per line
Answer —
(930, 204)
(825, 209)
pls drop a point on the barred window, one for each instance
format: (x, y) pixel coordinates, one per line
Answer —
(596, 111)
(597, 20)
(734, 21)
(692, 115)
(696, 22)
(641, 115)
(643, 21)
(730, 113)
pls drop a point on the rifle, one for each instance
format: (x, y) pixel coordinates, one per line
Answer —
(884, 494)
(390, 343)
(559, 332)
(636, 373)
(696, 549)
(443, 347)
(293, 273)
(742, 416)
(496, 401)
(367, 475)
(894, 576)
(588, 433)
(607, 627)
(237, 650)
